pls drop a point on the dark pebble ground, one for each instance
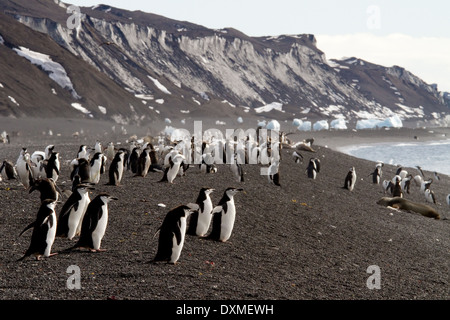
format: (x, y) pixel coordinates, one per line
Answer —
(306, 240)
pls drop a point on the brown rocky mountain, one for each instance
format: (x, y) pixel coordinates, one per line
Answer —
(132, 66)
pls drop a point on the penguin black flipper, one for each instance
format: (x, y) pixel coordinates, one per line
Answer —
(216, 222)
(31, 225)
(164, 178)
(38, 237)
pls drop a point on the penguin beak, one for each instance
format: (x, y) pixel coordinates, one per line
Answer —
(114, 198)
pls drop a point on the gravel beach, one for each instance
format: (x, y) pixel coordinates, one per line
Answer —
(305, 240)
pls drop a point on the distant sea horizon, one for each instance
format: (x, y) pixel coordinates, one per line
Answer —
(431, 156)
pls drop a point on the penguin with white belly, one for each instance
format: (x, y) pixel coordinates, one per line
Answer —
(116, 168)
(72, 212)
(44, 230)
(224, 215)
(94, 223)
(200, 220)
(172, 234)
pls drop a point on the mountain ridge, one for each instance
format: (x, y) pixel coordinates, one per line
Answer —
(168, 66)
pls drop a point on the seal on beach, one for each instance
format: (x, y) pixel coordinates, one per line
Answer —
(116, 168)
(44, 230)
(172, 233)
(72, 212)
(200, 220)
(93, 225)
(224, 215)
(350, 179)
(407, 205)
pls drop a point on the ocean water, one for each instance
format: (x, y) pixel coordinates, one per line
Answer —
(431, 156)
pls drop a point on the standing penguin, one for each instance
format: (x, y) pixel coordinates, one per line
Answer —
(425, 185)
(81, 168)
(144, 163)
(44, 230)
(200, 220)
(224, 215)
(172, 234)
(133, 160)
(297, 157)
(406, 183)
(116, 168)
(53, 166)
(274, 173)
(237, 170)
(174, 166)
(350, 179)
(23, 168)
(97, 165)
(94, 223)
(110, 151)
(47, 187)
(429, 196)
(313, 168)
(83, 152)
(397, 188)
(72, 212)
(377, 173)
(10, 170)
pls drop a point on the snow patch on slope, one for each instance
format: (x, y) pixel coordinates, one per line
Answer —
(56, 71)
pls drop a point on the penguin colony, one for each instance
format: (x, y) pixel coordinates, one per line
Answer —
(84, 220)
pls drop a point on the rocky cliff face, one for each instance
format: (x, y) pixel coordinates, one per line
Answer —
(175, 67)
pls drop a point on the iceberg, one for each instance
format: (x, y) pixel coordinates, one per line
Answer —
(297, 122)
(391, 122)
(338, 124)
(273, 125)
(321, 125)
(305, 126)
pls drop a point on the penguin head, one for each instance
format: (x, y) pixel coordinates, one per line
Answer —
(105, 197)
(84, 187)
(231, 191)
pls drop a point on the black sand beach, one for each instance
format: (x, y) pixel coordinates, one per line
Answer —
(306, 240)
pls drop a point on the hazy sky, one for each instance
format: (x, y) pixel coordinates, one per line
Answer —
(412, 34)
